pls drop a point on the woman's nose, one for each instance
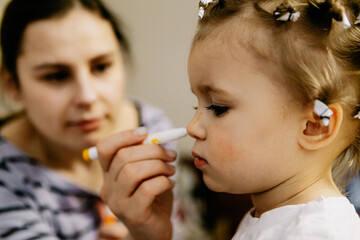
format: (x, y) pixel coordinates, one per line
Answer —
(86, 92)
(195, 127)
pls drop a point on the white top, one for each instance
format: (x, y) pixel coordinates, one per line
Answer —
(332, 218)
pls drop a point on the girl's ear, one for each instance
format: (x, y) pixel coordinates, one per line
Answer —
(11, 89)
(315, 134)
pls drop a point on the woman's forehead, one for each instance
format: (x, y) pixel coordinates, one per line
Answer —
(78, 30)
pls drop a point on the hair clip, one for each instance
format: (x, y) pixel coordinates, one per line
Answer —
(203, 5)
(287, 17)
(285, 12)
(323, 111)
(357, 112)
(201, 12)
(357, 115)
(345, 21)
(357, 21)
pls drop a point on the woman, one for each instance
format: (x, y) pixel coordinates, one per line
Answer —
(64, 60)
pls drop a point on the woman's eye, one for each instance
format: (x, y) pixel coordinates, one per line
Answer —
(218, 110)
(56, 76)
(99, 68)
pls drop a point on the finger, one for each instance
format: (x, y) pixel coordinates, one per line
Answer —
(132, 175)
(140, 153)
(108, 147)
(148, 190)
(114, 231)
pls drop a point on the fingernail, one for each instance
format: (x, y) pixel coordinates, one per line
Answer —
(171, 153)
(172, 167)
(140, 131)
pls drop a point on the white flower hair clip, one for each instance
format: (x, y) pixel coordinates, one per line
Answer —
(357, 115)
(345, 21)
(203, 5)
(357, 21)
(287, 17)
(285, 12)
(323, 111)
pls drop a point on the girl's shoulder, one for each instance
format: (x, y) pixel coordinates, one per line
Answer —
(323, 218)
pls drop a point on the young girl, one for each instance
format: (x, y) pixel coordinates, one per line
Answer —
(277, 117)
(278, 114)
(65, 61)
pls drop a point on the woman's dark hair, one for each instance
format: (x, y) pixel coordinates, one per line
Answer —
(20, 13)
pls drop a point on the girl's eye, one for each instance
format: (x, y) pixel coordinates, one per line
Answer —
(218, 110)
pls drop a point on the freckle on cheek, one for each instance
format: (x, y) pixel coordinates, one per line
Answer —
(197, 119)
(224, 146)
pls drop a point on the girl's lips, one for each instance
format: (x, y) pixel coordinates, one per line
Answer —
(87, 125)
(198, 161)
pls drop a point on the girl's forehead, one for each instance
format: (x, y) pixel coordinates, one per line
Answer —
(220, 47)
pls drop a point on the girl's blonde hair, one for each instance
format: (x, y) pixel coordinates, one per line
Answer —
(306, 57)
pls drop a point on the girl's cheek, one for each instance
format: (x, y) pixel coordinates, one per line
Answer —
(226, 146)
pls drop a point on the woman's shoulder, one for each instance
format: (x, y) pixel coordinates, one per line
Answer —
(15, 166)
(151, 116)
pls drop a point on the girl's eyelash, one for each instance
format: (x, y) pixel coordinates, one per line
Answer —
(218, 110)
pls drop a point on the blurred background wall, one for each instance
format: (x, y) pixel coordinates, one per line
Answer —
(160, 33)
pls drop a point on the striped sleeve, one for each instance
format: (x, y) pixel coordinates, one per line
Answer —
(18, 219)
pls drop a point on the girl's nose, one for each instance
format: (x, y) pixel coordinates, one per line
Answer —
(195, 128)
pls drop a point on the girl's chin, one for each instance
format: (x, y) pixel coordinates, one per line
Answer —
(211, 184)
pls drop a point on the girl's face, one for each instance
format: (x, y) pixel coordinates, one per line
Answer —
(71, 77)
(246, 135)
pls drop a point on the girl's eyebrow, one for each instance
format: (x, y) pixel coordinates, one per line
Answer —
(210, 88)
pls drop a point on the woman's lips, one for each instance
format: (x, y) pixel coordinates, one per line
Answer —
(87, 125)
(198, 161)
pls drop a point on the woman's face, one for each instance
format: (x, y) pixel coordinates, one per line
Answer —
(71, 76)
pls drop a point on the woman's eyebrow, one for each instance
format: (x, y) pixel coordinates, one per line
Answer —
(102, 56)
(49, 66)
(63, 66)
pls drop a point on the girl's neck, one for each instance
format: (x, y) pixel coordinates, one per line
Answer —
(293, 192)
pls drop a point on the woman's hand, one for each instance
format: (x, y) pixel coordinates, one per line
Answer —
(110, 227)
(137, 187)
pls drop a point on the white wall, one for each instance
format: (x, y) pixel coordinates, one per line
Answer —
(2, 4)
(160, 33)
